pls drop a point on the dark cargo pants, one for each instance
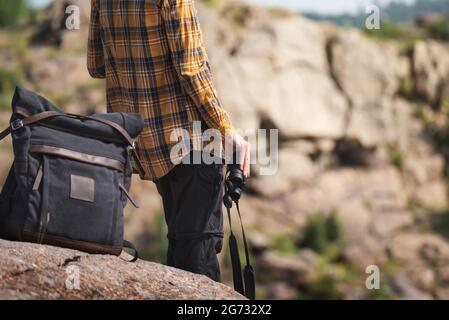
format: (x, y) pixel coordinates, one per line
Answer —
(192, 198)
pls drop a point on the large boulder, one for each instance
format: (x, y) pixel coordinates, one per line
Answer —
(416, 247)
(368, 73)
(424, 261)
(339, 188)
(421, 170)
(431, 195)
(301, 99)
(294, 168)
(408, 290)
(380, 122)
(364, 69)
(306, 104)
(31, 271)
(431, 70)
(371, 205)
(268, 74)
(292, 269)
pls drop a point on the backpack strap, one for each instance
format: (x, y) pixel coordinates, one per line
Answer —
(130, 246)
(19, 123)
(124, 134)
(5, 133)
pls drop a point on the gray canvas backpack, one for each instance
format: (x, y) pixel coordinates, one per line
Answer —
(71, 176)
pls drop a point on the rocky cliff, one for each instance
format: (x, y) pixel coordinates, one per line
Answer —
(30, 271)
(363, 126)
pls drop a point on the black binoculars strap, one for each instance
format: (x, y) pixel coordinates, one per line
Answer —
(244, 284)
(248, 273)
(235, 259)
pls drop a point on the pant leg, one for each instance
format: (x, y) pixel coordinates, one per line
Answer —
(164, 188)
(192, 197)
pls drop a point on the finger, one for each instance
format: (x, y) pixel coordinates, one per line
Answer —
(247, 162)
(242, 155)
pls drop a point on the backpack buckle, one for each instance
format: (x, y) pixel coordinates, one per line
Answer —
(17, 124)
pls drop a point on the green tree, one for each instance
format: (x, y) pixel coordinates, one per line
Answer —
(334, 228)
(439, 29)
(323, 233)
(315, 234)
(11, 11)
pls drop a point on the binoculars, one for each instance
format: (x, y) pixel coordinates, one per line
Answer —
(243, 282)
(234, 183)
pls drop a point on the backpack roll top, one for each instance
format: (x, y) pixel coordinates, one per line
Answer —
(71, 176)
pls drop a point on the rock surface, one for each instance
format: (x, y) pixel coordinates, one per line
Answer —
(31, 271)
(365, 70)
(297, 69)
(431, 69)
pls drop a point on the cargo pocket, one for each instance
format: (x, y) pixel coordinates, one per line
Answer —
(212, 175)
(77, 201)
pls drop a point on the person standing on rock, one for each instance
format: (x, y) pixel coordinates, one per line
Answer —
(152, 56)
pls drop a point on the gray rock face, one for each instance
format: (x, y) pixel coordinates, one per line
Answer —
(414, 247)
(285, 179)
(31, 271)
(407, 289)
(316, 83)
(371, 206)
(431, 69)
(380, 122)
(292, 269)
(297, 94)
(425, 257)
(365, 70)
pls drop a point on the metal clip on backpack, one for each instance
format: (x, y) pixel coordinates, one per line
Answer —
(71, 176)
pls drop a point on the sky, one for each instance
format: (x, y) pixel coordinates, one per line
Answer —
(316, 6)
(324, 6)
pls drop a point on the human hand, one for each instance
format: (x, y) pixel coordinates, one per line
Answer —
(242, 150)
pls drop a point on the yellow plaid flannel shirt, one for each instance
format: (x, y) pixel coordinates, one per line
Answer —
(152, 55)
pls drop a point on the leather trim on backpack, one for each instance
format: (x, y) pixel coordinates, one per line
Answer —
(21, 111)
(79, 156)
(21, 166)
(92, 248)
